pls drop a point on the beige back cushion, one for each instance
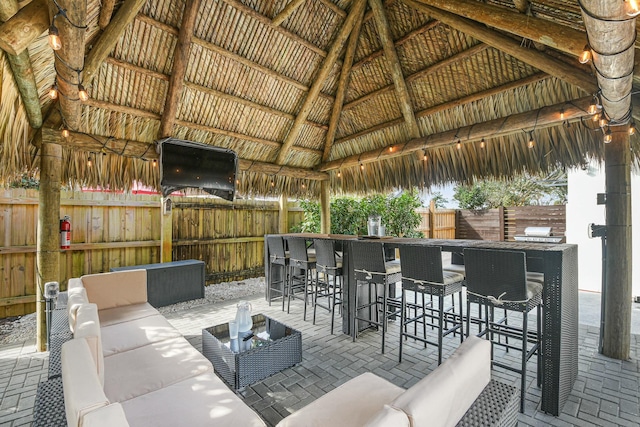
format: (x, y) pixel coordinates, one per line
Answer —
(76, 297)
(107, 416)
(116, 289)
(83, 392)
(88, 327)
(443, 396)
(389, 417)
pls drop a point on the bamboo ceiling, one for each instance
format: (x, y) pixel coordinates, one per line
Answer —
(252, 71)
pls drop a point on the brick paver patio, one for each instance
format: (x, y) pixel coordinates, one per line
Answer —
(606, 392)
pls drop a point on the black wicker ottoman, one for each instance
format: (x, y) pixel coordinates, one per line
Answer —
(275, 347)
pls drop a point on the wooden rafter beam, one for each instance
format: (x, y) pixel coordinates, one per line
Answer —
(24, 26)
(420, 74)
(384, 33)
(450, 104)
(286, 12)
(230, 55)
(105, 13)
(23, 72)
(180, 61)
(539, 30)
(69, 60)
(540, 60)
(538, 119)
(147, 151)
(110, 36)
(343, 83)
(191, 125)
(402, 40)
(213, 92)
(322, 74)
(267, 21)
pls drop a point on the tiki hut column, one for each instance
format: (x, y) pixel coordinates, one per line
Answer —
(612, 35)
(48, 239)
(325, 207)
(617, 294)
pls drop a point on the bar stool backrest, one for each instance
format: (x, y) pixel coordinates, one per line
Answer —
(421, 262)
(497, 273)
(298, 251)
(277, 254)
(368, 257)
(325, 256)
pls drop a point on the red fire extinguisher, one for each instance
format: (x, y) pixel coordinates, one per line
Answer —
(65, 232)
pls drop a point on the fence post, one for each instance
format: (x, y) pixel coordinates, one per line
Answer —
(283, 214)
(501, 222)
(432, 218)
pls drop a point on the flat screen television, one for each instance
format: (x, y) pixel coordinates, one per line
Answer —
(187, 164)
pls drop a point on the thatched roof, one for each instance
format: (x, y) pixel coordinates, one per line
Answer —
(250, 84)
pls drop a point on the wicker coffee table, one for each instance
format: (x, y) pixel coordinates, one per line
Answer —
(275, 347)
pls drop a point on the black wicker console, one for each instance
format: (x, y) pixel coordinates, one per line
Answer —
(497, 406)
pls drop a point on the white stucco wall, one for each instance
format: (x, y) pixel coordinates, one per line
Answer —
(582, 209)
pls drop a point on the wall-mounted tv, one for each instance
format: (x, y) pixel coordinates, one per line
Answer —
(191, 164)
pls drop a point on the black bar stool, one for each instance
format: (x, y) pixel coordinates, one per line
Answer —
(370, 267)
(302, 266)
(278, 257)
(422, 273)
(498, 279)
(330, 287)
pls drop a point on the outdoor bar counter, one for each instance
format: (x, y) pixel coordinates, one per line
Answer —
(558, 262)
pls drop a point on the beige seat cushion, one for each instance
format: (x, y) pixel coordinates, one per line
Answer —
(389, 417)
(351, 404)
(136, 333)
(454, 268)
(117, 288)
(152, 367)
(535, 277)
(199, 401)
(82, 388)
(442, 397)
(449, 277)
(88, 327)
(126, 313)
(533, 288)
(392, 266)
(107, 416)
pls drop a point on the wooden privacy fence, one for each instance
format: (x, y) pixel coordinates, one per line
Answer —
(437, 223)
(113, 230)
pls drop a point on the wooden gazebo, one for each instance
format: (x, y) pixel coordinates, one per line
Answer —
(321, 96)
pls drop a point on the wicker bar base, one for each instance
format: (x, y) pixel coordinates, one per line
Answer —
(239, 370)
(48, 410)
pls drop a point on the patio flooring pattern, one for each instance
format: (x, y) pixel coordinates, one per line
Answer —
(606, 392)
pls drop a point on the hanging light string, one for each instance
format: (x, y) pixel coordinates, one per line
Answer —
(54, 34)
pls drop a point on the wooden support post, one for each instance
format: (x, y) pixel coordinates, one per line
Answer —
(617, 294)
(325, 207)
(166, 223)
(501, 225)
(17, 33)
(432, 219)
(48, 240)
(287, 11)
(283, 213)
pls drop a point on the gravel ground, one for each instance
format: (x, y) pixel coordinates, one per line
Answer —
(23, 328)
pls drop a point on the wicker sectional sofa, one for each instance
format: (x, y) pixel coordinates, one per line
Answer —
(127, 366)
(458, 392)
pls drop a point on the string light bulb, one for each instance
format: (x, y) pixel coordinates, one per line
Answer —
(459, 145)
(361, 167)
(608, 137)
(593, 107)
(632, 128)
(82, 93)
(154, 163)
(562, 114)
(65, 133)
(54, 38)
(585, 56)
(424, 157)
(633, 8)
(391, 149)
(53, 92)
(339, 174)
(89, 161)
(532, 142)
(483, 143)
(602, 121)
